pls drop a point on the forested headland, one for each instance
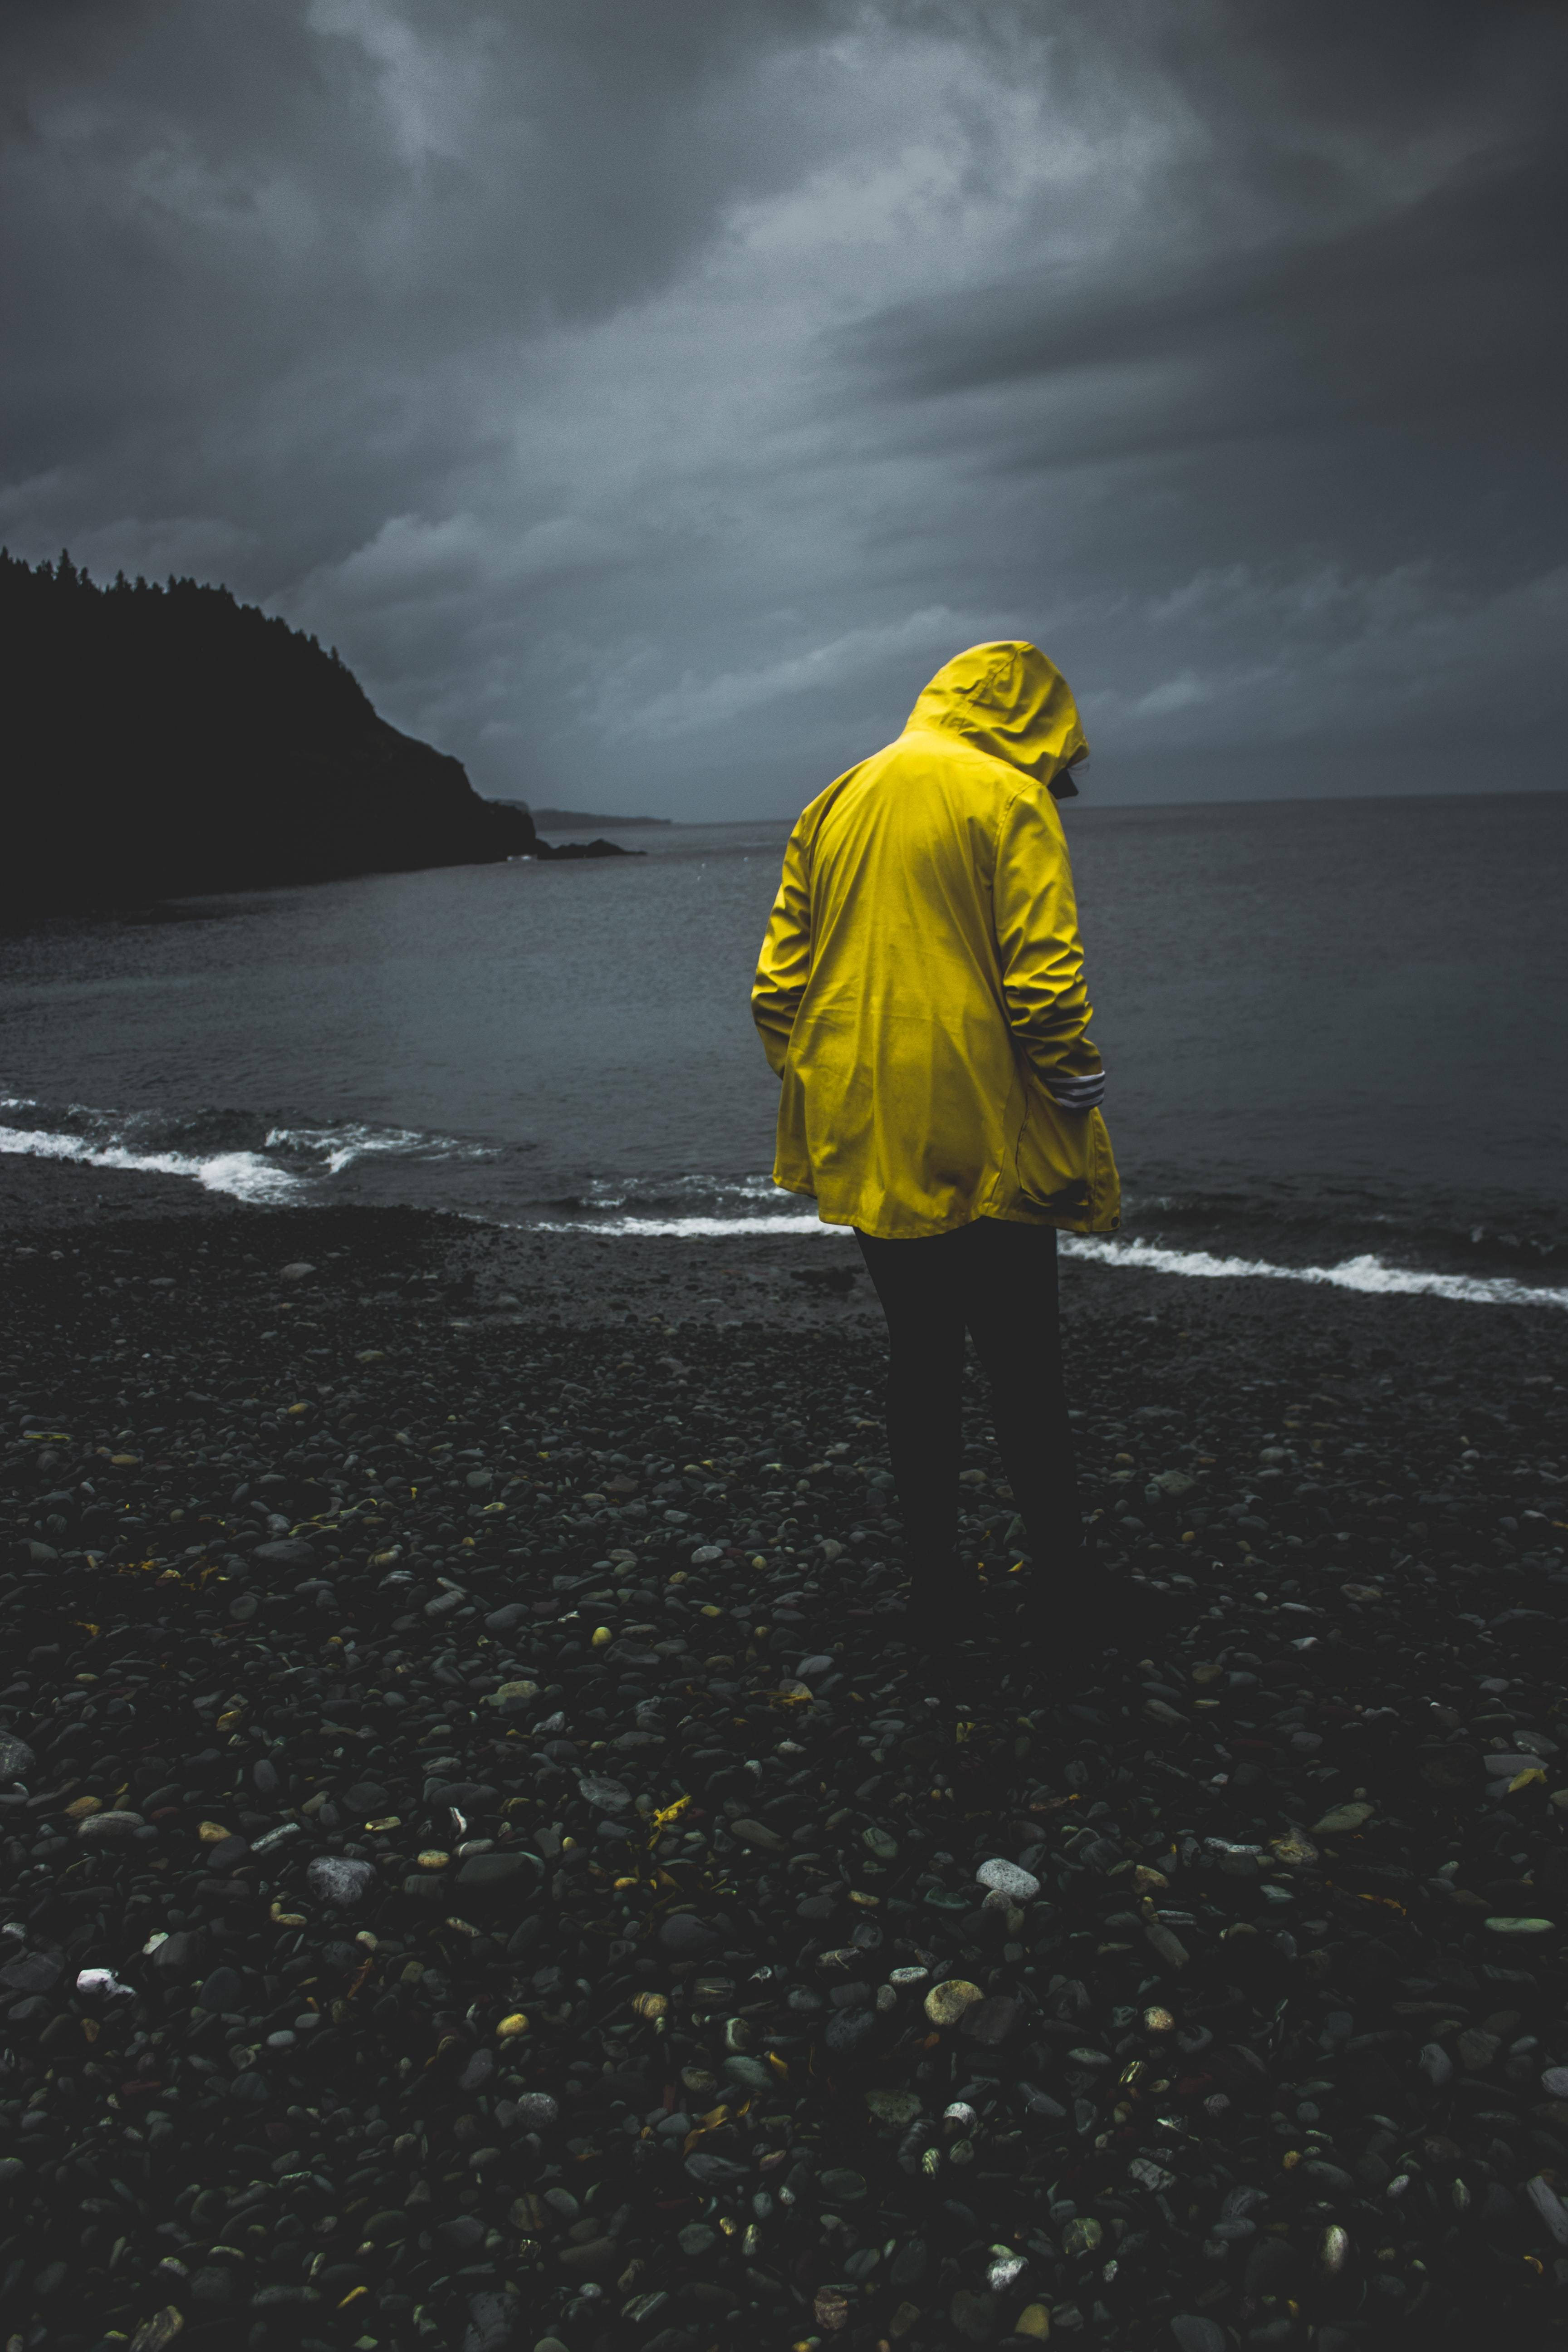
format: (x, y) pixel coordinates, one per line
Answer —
(168, 739)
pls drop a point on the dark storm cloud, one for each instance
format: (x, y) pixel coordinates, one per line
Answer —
(647, 398)
(1434, 313)
(213, 206)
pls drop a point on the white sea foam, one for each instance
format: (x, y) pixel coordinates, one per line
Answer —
(337, 1148)
(134, 1140)
(1370, 1276)
(687, 1229)
(250, 1175)
(245, 1174)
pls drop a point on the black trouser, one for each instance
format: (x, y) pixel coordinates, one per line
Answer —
(999, 1282)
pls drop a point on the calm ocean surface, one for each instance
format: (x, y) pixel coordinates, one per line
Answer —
(1332, 1028)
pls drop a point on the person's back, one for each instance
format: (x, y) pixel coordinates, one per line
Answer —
(921, 995)
(921, 989)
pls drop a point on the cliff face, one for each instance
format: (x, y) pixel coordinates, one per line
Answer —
(167, 740)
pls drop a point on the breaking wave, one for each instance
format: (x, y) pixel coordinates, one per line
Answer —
(277, 1161)
(1367, 1273)
(241, 1153)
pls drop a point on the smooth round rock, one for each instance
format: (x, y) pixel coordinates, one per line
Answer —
(1555, 2082)
(849, 2030)
(991, 2020)
(31, 1972)
(491, 1872)
(287, 1551)
(223, 1990)
(610, 1796)
(1008, 1878)
(16, 1759)
(946, 2002)
(1339, 1818)
(685, 1936)
(1195, 2332)
(101, 1829)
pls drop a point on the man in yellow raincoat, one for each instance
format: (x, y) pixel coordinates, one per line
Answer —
(921, 995)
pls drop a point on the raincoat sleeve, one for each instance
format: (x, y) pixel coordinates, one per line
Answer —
(785, 964)
(1042, 989)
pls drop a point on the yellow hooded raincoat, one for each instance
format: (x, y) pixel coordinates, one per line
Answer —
(920, 988)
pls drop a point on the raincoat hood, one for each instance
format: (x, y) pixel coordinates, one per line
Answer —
(1008, 700)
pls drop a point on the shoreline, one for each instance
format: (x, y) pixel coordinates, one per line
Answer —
(305, 1576)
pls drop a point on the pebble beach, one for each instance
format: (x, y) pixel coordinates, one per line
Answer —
(482, 1870)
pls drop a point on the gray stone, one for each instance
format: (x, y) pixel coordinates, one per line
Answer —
(849, 2030)
(492, 2322)
(1008, 1878)
(685, 1936)
(611, 1795)
(489, 1872)
(974, 2315)
(1194, 2332)
(756, 1834)
(334, 1878)
(1437, 2065)
(223, 1990)
(1549, 2207)
(992, 2021)
(16, 1759)
(1272, 2267)
(910, 2264)
(287, 1551)
(714, 2171)
(32, 1972)
(365, 1799)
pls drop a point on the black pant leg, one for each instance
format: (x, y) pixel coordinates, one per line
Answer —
(916, 1282)
(1011, 1307)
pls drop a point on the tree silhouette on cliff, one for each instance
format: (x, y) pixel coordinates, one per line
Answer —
(169, 739)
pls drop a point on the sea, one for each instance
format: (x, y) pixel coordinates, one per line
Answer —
(1334, 1029)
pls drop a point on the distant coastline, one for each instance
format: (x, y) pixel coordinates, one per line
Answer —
(559, 820)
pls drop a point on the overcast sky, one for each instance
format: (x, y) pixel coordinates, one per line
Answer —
(647, 395)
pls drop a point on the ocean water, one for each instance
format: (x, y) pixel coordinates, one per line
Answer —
(1335, 1034)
